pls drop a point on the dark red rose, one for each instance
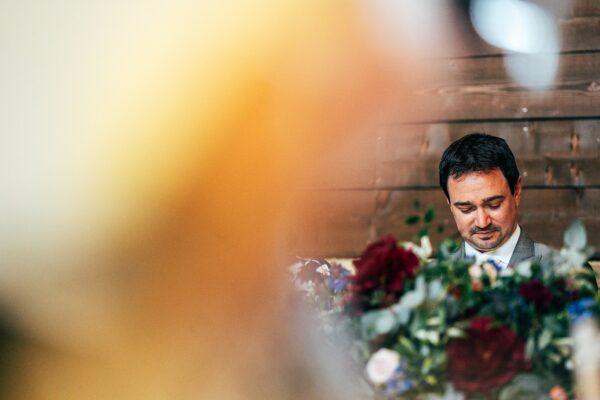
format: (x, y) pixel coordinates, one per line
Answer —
(381, 272)
(487, 358)
(535, 292)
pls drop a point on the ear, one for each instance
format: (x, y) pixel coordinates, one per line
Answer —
(518, 190)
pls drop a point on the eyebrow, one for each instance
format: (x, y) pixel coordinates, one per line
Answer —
(492, 198)
(462, 203)
(485, 201)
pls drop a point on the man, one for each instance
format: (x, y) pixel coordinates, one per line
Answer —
(483, 188)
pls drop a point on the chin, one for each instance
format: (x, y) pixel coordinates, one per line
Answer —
(487, 245)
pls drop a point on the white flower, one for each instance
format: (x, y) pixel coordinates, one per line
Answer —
(424, 251)
(385, 323)
(491, 272)
(382, 365)
(475, 271)
(524, 269)
(323, 270)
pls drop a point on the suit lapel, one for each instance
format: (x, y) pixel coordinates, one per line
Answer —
(460, 253)
(524, 250)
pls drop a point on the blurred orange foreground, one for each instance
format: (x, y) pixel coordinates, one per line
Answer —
(152, 156)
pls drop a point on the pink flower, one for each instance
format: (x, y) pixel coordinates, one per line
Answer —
(382, 365)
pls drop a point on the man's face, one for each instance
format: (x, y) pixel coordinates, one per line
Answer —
(484, 209)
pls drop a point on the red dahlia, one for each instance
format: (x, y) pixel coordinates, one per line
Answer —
(486, 359)
(381, 272)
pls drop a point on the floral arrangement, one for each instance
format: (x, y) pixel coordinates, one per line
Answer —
(446, 328)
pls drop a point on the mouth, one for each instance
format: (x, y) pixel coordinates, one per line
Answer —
(484, 234)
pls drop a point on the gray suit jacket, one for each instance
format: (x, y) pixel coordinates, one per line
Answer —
(525, 250)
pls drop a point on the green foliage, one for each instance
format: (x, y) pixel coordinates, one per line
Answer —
(425, 218)
(412, 220)
(429, 215)
(438, 305)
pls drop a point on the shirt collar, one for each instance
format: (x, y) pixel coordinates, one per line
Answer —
(500, 255)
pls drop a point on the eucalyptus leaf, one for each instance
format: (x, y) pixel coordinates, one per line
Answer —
(435, 290)
(544, 339)
(529, 348)
(415, 297)
(575, 236)
(367, 324)
(385, 323)
(402, 313)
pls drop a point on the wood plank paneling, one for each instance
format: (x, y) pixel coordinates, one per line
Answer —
(583, 8)
(554, 133)
(525, 138)
(332, 223)
(350, 164)
(341, 223)
(547, 152)
(480, 89)
(551, 206)
(552, 232)
(580, 33)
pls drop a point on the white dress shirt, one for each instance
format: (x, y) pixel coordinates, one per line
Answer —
(500, 256)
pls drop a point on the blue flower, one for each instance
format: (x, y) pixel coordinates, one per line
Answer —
(339, 279)
(337, 285)
(581, 309)
(398, 386)
(399, 383)
(495, 264)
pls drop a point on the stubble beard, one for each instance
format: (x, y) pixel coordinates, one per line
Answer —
(485, 245)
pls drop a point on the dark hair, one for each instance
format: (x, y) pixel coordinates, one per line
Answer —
(478, 152)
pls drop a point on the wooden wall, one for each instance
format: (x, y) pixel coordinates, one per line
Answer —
(555, 135)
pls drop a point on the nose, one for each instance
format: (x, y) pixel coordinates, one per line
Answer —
(482, 219)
